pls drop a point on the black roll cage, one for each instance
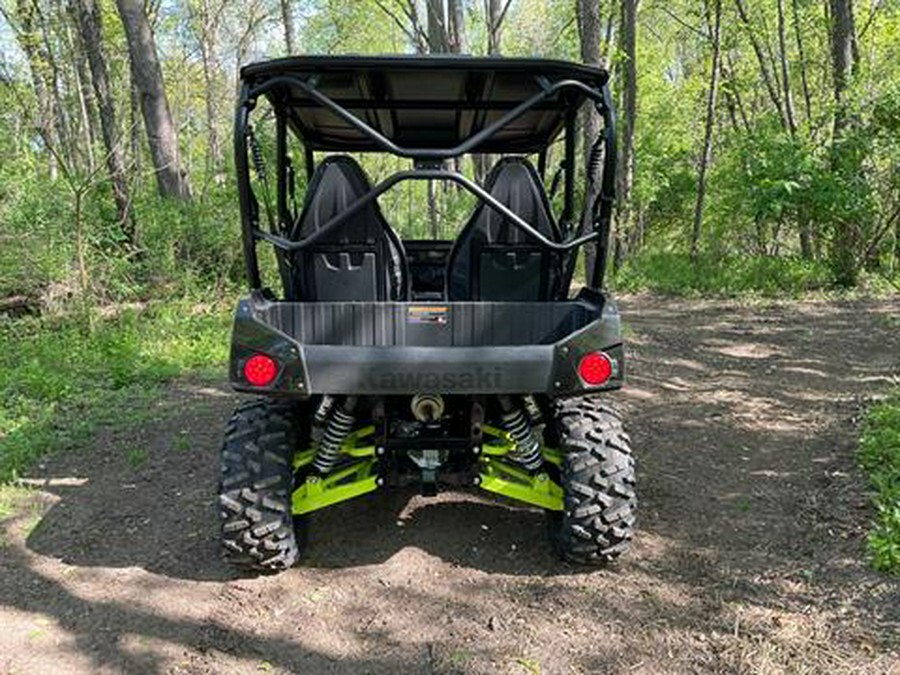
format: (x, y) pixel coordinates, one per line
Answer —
(426, 167)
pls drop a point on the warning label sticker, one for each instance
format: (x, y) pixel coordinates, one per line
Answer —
(432, 315)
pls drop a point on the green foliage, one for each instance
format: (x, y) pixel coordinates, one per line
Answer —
(674, 274)
(766, 178)
(351, 27)
(540, 28)
(182, 245)
(879, 456)
(61, 379)
(768, 183)
(35, 247)
(196, 243)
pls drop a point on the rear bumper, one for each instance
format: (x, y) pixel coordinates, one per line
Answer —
(388, 353)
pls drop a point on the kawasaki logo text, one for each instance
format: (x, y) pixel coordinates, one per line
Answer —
(478, 379)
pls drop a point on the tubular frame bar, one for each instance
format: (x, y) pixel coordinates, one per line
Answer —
(281, 210)
(569, 187)
(281, 170)
(468, 145)
(423, 174)
(602, 208)
(248, 202)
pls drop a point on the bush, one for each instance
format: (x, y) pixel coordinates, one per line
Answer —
(879, 456)
(190, 244)
(36, 241)
(183, 246)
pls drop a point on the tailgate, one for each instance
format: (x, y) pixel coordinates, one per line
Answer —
(406, 347)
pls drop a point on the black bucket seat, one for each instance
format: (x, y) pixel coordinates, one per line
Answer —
(495, 260)
(360, 259)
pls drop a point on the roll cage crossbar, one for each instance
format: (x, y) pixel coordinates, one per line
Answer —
(422, 174)
(426, 162)
(309, 87)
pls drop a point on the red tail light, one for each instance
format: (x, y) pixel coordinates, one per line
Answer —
(595, 368)
(260, 370)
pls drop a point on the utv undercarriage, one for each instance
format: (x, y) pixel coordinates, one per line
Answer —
(387, 362)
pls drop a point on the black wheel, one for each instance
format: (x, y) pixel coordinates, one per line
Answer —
(258, 530)
(598, 482)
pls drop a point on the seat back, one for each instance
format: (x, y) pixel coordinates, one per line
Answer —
(361, 259)
(493, 259)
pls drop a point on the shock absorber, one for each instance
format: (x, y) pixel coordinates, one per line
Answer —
(528, 446)
(323, 409)
(340, 424)
(320, 417)
(259, 162)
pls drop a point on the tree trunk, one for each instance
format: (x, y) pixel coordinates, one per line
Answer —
(785, 72)
(438, 42)
(761, 60)
(89, 18)
(589, 31)
(728, 72)
(458, 45)
(46, 124)
(458, 42)
(843, 33)
(610, 36)
(706, 155)
(207, 31)
(625, 172)
(287, 21)
(590, 27)
(495, 12)
(86, 105)
(214, 150)
(807, 235)
(493, 16)
(842, 37)
(801, 53)
(854, 42)
(163, 141)
(803, 220)
(206, 19)
(65, 137)
(134, 123)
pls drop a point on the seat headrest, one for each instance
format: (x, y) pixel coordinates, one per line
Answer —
(515, 183)
(337, 182)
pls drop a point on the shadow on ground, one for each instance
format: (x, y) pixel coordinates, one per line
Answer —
(750, 547)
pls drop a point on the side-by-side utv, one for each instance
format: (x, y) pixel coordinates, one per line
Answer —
(385, 362)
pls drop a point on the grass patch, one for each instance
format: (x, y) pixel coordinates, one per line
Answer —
(879, 455)
(11, 498)
(182, 442)
(137, 457)
(530, 666)
(674, 274)
(61, 378)
(19, 502)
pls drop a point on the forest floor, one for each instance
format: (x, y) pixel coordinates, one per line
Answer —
(750, 555)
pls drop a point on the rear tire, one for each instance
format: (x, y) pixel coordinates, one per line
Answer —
(258, 529)
(598, 481)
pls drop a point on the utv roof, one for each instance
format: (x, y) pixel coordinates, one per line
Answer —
(423, 101)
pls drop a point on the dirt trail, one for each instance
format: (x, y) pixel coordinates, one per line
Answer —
(749, 556)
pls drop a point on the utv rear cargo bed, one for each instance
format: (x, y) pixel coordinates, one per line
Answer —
(447, 347)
